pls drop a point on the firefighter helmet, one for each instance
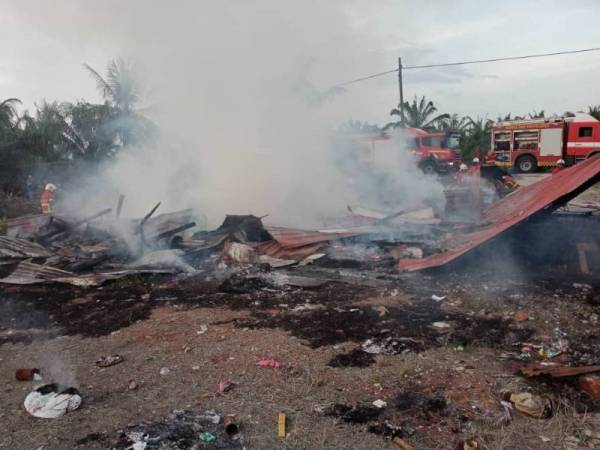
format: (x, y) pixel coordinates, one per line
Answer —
(475, 160)
(50, 187)
(463, 167)
(560, 162)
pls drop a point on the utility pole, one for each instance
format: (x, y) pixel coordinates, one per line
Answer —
(401, 92)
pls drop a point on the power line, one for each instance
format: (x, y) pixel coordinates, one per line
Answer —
(462, 63)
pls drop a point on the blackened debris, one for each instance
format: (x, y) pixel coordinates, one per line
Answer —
(354, 358)
(353, 414)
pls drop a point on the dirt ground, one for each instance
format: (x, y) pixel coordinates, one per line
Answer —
(443, 386)
(443, 366)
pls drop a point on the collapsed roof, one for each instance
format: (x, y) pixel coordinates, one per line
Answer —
(544, 196)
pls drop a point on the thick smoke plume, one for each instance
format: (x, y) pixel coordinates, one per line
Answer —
(244, 128)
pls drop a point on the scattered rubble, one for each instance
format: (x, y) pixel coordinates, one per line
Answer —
(107, 361)
(182, 429)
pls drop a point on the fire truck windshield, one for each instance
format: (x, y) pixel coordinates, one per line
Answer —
(453, 141)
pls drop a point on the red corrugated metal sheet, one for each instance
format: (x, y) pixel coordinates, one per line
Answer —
(276, 250)
(511, 210)
(298, 244)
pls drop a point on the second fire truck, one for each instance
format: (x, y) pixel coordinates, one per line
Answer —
(529, 144)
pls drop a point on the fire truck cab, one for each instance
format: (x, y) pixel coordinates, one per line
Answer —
(529, 144)
(436, 152)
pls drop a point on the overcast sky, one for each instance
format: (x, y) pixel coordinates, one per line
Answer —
(43, 45)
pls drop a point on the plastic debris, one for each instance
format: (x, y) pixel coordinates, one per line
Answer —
(164, 371)
(281, 425)
(203, 329)
(584, 286)
(438, 298)
(269, 362)
(532, 405)
(225, 386)
(51, 401)
(440, 325)
(382, 311)
(107, 361)
(139, 445)
(207, 437)
(379, 404)
(240, 253)
(549, 353)
(521, 316)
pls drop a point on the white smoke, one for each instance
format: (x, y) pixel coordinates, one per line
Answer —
(243, 128)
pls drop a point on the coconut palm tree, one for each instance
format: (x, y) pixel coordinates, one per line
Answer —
(453, 122)
(8, 112)
(537, 115)
(477, 136)
(120, 87)
(417, 114)
(594, 111)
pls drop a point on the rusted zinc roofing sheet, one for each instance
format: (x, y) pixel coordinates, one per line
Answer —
(288, 243)
(291, 238)
(27, 226)
(549, 193)
(14, 248)
(30, 273)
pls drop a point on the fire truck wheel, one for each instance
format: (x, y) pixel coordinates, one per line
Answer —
(527, 164)
(428, 167)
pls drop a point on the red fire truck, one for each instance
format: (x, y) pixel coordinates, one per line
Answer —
(529, 144)
(436, 152)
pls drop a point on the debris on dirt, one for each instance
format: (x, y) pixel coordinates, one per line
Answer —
(133, 385)
(225, 386)
(424, 405)
(391, 345)
(387, 429)
(111, 360)
(441, 325)
(352, 414)
(438, 298)
(180, 429)
(402, 443)
(381, 310)
(207, 437)
(269, 362)
(51, 401)
(281, 425)
(354, 358)
(26, 374)
(379, 404)
(230, 424)
(556, 370)
(590, 384)
(532, 405)
(164, 371)
(521, 316)
(203, 329)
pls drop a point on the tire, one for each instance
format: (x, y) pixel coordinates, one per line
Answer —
(527, 164)
(429, 167)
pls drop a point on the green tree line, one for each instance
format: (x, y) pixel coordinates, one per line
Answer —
(70, 134)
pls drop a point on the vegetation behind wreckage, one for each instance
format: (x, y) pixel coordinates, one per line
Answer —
(63, 138)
